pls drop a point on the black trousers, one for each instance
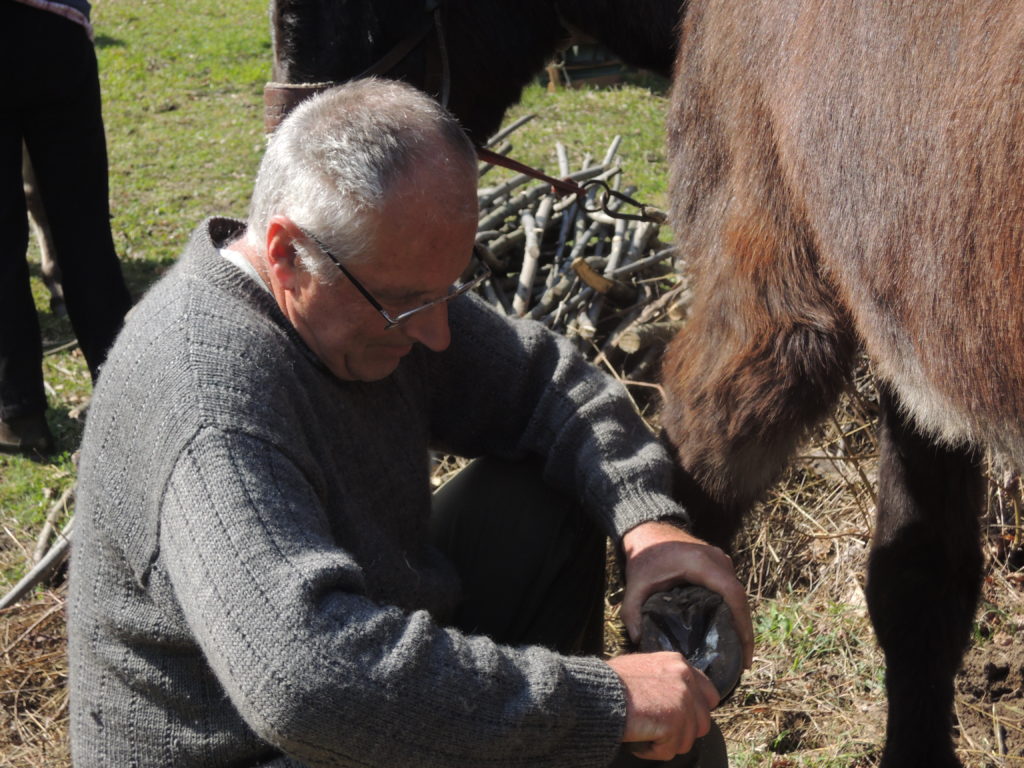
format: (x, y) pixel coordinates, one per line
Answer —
(52, 102)
(532, 567)
(531, 562)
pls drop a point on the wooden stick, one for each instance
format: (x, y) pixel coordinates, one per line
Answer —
(50, 562)
(543, 216)
(613, 150)
(531, 257)
(510, 241)
(60, 348)
(613, 289)
(640, 336)
(628, 318)
(641, 236)
(488, 196)
(618, 243)
(58, 508)
(563, 159)
(642, 264)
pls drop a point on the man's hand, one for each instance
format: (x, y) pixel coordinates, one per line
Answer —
(660, 555)
(668, 703)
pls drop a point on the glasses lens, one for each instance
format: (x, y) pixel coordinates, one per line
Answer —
(481, 273)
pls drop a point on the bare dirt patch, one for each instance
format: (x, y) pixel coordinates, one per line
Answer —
(990, 686)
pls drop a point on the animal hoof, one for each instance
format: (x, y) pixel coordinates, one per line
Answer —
(697, 623)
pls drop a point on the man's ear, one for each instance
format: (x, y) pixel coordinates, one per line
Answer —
(282, 260)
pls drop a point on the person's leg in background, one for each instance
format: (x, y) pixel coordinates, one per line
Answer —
(22, 399)
(66, 142)
(55, 109)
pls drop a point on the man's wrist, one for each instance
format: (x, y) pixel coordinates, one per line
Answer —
(655, 532)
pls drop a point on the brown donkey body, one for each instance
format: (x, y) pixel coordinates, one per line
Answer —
(849, 173)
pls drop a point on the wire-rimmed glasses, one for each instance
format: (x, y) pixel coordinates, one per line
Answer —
(393, 321)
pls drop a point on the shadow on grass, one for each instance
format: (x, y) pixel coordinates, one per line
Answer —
(67, 435)
(67, 425)
(656, 84)
(141, 274)
(106, 41)
(641, 78)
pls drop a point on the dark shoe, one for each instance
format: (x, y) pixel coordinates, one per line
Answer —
(707, 752)
(26, 434)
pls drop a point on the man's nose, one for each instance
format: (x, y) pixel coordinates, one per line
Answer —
(430, 328)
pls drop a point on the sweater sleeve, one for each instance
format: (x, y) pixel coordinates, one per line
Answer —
(327, 676)
(513, 388)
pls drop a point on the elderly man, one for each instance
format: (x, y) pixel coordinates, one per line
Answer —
(260, 574)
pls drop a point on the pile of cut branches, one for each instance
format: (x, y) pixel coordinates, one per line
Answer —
(574, 264)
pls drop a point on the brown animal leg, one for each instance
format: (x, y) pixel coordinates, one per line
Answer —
(924, 576)
(762, 359)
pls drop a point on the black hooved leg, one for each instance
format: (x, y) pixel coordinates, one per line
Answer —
(924, 576)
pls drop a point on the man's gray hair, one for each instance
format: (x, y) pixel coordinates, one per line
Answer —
(333, 161)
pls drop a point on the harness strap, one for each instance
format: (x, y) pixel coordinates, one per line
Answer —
(563, 186)
(280, 98)
(602, 200)
(402, 49)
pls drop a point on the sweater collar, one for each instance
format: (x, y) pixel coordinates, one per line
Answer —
(208, 238)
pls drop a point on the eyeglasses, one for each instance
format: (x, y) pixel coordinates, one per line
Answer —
(393, 321)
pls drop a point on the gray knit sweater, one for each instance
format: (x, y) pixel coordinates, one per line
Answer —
(251, 581)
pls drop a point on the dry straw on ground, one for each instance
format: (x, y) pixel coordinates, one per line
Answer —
(33, 676)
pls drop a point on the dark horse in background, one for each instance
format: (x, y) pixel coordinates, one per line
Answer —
(493, 47)
(850, 174)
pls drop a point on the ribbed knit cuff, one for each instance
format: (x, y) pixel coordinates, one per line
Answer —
(600, 710)
(637, 503)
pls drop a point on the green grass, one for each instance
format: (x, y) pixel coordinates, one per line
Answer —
(587, 120)
(816, 665)
(809, 635)
(183, 85)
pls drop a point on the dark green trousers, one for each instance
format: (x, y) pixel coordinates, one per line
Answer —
(531, 562)
(532, 566)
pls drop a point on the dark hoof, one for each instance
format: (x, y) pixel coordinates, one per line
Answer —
(697, 623)
(924, 753)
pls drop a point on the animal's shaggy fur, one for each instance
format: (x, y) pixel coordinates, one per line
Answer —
(851, 173)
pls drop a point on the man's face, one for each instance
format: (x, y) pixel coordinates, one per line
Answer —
(423, 242)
